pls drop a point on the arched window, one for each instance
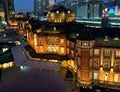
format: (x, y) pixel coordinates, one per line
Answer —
(107, 63)
(96, 62)
(117, 63)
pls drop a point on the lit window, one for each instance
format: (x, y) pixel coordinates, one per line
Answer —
(49, 12)
(106, 52)
(107, 63)
(39, 41)
(41, 48)
(67, 50)
(0, 66)
(54, 28)
(11, 64)
(35, 39)
(72, 44)
(95, 75)
(116, 39)
(63, 14)
(52, 15)
(67, 43)
(117, 53)
(106, 38)
(116, 77)
(96, 52)
(79, 51)
(60, 20)
(117, 63)
(96, 62)
(84, 43)
(72, 53)
(105, 76)
(91, 43)
(62, 41)
(62, 50)
(55, 50)
(5, 65)
(91, 61)
(79, 61)
(91, 52)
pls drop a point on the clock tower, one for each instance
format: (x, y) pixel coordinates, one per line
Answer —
(85, 43)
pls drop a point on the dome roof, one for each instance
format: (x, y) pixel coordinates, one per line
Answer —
(85, 35)
(60, 15)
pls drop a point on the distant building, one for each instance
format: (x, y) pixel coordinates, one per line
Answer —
(42, 6)
(1, 5)
(89, 8)
(2, 14)
(8, 9)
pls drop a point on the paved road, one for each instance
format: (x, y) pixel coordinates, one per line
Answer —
(7, 73)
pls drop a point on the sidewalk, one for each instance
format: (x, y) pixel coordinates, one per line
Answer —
(69, 85)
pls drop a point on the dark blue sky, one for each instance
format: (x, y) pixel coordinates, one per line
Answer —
(25, 5)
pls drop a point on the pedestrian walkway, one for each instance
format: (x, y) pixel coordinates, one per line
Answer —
(70, 86)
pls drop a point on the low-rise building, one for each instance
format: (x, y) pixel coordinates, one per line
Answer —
(93, 54)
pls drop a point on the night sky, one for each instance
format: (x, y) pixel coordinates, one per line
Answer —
(25, 5)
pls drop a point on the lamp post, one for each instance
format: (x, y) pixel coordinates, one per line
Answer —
(105, 78)
(74, 82)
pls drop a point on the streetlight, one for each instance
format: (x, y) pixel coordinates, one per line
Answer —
(105, 78)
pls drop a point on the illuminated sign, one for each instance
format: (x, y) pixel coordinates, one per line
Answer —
(111, 11)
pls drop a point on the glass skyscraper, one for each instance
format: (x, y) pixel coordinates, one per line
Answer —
(42, 6)
(8, 8)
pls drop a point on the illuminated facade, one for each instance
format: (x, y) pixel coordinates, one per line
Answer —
(8, 9)
(93, 54)
(6, 58)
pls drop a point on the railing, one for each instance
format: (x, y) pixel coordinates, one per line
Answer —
(106, 84)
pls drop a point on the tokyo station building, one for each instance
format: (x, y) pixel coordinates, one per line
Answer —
(93, 54)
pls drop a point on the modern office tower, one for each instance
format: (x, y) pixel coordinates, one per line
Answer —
(95, 8)
(89, 9)
(52, 2)
(36, 8)
(72, 4)
(8, 9)
(118, 2)
(1, 5)
(42, 6)
(82, 9)
(85, 8)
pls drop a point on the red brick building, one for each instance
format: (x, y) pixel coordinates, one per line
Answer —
(93, 54)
